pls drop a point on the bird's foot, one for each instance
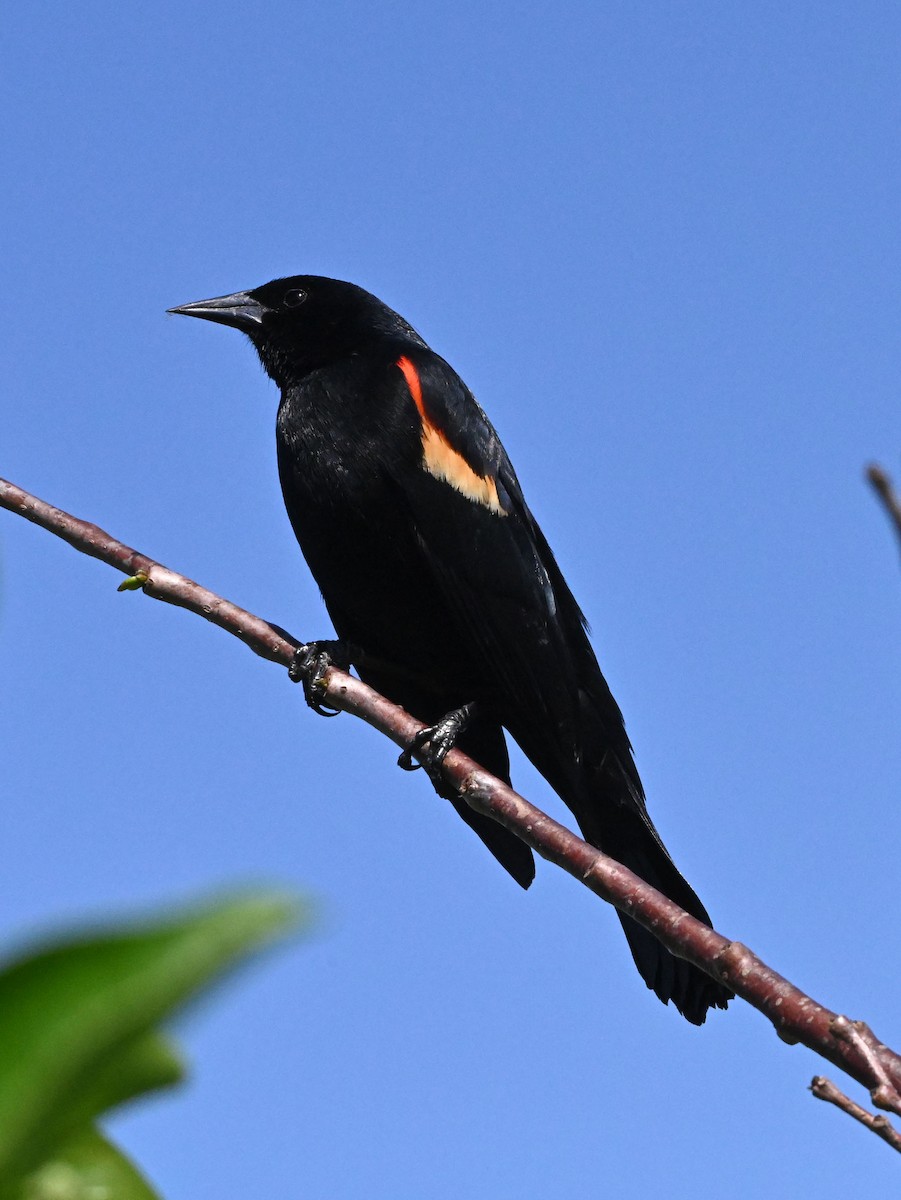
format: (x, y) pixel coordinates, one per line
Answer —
(431, 745)
(310, 665)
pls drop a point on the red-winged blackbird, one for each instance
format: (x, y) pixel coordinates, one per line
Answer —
(412, 520)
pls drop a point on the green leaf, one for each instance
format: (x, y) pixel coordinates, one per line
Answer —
(76, 1017)
(87, 1167)
(133, 582)
(147, 1063)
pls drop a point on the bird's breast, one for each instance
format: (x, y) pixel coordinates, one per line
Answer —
(358, 537)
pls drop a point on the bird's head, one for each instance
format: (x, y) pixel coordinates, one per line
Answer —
(304, 322)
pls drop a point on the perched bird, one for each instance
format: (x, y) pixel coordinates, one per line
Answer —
(413, 523)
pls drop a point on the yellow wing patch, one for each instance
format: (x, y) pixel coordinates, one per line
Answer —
(440, 458)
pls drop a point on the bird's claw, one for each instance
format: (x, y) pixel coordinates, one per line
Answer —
(310, 666)
(432, 744)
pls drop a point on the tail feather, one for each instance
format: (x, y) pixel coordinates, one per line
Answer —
(512, 853)
(672, 979)
(484, 741)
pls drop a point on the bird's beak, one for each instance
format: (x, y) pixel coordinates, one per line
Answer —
(239, 310)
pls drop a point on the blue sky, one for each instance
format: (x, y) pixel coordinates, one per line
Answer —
(660, 242)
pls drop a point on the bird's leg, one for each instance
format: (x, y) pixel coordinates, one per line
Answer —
(309, 666)
(432, 744)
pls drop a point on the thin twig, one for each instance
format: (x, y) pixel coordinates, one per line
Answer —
(825, 1089)
(883, 488)
(795, 1016)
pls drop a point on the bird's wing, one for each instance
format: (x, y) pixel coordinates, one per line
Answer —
(499, 577)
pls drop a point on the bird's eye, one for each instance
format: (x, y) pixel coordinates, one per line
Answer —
(294, 297)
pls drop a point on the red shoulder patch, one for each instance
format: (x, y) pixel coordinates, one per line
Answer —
(414, 383)
(440, 458)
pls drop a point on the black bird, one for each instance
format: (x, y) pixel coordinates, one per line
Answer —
(411, 518)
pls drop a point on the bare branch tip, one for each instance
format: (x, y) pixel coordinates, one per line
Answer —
(884, 489)
(825, 1089)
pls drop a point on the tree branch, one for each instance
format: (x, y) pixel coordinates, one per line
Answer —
(825, 1089)
(882, 486)
(796, 1017)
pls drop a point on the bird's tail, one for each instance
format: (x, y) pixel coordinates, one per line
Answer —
(632, 840)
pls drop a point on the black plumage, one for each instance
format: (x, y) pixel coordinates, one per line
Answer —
(413, 522)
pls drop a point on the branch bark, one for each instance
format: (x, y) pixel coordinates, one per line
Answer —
(849, 1045)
